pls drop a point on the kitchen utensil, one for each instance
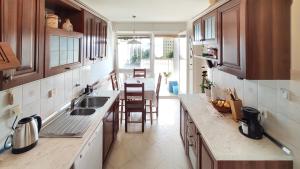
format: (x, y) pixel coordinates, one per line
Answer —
(236, 106)
(250, 117)
(26, 134)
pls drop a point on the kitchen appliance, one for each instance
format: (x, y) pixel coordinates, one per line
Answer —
(250, 126)
(26, 134)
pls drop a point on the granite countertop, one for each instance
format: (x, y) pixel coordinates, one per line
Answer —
(222, 136)
(56, 153)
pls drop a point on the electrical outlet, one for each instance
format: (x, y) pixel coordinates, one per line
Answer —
(285, 93)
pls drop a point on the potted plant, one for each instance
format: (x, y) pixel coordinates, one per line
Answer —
(206, 84)
(167, 75)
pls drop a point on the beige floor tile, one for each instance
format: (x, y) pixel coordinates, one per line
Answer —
(159, 147)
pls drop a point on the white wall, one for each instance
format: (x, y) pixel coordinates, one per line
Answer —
(33, 97)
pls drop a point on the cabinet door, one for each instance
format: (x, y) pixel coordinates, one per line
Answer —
(232, 59)
(97, 42)
(88, 37)
(198, 30)
(22, 27)
(182, 124)
(108, 132)
(103, 39)
(207, 161)
(210, 25)
(91, 155)
(116, 118)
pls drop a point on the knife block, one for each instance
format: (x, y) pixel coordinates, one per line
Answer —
(236, 106)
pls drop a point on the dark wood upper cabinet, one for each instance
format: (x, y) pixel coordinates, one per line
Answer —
(63, 49)
(95, 36)
(231, 39)
(253, 41)
(22, 26)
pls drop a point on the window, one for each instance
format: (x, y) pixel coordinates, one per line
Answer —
(134, 55)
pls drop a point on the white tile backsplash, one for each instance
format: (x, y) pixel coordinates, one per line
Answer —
(31, 98)
(47, 101)
(76, 85)
(68, 86)
(59, 91)
(251, 93)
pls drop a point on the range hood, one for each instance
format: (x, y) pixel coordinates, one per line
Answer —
(8, 59)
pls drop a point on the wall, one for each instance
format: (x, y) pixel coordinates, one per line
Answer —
(33, 98)
(283, 116)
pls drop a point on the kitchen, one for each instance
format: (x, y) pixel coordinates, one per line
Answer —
(238, 52)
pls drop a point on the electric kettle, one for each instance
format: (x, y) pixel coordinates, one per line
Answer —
(26, 134)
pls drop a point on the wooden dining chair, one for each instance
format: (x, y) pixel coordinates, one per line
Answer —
(115, 86)
(139, 73)
(114, 80)
(134, 102)
(154, 102)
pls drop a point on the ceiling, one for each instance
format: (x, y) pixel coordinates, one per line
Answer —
(148, 10)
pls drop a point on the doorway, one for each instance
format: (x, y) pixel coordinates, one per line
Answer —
(171, 62)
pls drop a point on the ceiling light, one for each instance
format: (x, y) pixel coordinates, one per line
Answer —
(134, 41)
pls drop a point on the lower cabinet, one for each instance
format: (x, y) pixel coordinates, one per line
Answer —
(91, 155)
(110, 129)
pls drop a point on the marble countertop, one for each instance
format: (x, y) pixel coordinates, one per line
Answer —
(222, 137)
(56, 153)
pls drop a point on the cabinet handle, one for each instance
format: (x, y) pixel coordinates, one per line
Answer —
(77, 85)
(7, 77)
(191, 145)
(191, 136)
(67, 68)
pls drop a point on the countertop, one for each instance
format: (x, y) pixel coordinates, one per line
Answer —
(56, 153)
(222, 136)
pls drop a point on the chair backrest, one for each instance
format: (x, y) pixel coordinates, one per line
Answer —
(134, 95)
(114, 81)
(139, 73)
(158, 86)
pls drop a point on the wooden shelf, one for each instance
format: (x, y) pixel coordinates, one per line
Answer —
(62, 32)
(205, 58)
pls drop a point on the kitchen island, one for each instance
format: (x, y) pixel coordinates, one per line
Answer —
(213, 141)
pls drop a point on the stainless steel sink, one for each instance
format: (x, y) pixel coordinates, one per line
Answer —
(82, 112)
(93, 102)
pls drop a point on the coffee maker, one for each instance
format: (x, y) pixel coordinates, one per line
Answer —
(249, 125)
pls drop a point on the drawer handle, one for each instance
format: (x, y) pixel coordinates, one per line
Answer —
(191, 145)
(191, 136)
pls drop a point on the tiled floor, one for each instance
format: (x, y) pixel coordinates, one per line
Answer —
(159, 147)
